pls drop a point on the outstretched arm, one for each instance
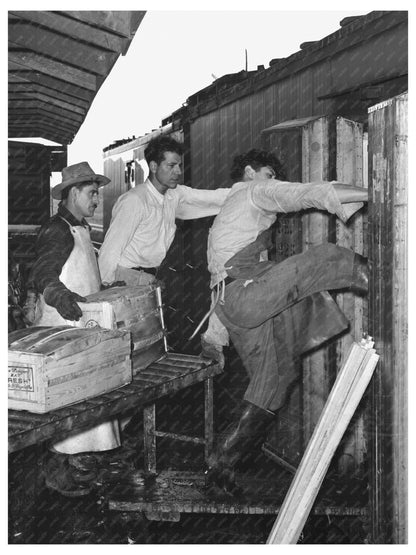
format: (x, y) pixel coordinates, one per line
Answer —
(280, 196)
(199, 203)
(350, 193)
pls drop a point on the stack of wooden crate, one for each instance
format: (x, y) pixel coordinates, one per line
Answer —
(136, 309)
(51, 367)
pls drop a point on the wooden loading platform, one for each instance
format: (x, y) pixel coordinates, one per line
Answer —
(171, 373)
(172, 493)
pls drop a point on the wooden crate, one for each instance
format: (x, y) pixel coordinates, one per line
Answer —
(137, 309)
(52, 367)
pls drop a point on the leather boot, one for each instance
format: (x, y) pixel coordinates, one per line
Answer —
(239, 437)
(359, 283)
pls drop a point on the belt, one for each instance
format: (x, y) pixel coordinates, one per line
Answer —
(152, 271)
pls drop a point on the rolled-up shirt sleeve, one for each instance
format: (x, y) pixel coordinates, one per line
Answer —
(279, 196)
(199, 203)
(124, 222)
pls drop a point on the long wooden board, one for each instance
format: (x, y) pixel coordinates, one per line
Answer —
(342, 402)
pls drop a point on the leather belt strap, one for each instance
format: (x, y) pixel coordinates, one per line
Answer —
(152, 271)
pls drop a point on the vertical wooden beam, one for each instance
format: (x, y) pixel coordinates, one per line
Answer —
(149, 439)
(286, 437)
(315, 167)
(208, 417)
(349, 168)
(400, 345)
(388, 318)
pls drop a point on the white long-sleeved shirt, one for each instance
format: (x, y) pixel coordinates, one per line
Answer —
(143, 225)
(252, 206)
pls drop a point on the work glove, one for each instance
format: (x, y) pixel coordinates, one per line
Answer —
(105, 286)
(64, 300)
(30, 307)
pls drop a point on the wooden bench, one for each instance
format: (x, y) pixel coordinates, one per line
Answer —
(171, 373)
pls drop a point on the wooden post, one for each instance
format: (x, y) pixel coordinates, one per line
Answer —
(315, 167)
(149, 439)
(285, 437)
(387, 135)
(208, 416)
(349, 167)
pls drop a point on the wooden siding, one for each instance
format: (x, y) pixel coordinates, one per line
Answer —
(388, 316)
(343, 75)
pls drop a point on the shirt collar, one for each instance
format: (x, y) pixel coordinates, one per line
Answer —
(155, 193)
(71, 219)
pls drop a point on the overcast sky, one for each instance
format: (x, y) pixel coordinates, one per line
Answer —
(176, 53)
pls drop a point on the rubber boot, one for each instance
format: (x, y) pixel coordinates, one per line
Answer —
(359, 283)
(240, 436)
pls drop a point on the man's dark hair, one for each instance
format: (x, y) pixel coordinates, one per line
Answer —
(155, 150)
(80, 186)
(256, 159)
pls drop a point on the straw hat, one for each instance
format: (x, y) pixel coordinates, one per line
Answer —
(76, 175)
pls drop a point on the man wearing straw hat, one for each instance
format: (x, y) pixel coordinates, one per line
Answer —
(64, 272)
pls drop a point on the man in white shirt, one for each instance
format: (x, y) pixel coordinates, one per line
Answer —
(143, 225)
(252, 296)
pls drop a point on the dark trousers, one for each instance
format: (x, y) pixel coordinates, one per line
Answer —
(252, 314)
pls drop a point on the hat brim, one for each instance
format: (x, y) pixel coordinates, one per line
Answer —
(57, 190)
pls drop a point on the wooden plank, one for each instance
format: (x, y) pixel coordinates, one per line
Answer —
(54, 45)
(349, 167)
(167, 369)
(208, 417)
(286, 144)
(342, 402)
(315, 167)
(180, 437)
(179, 357)
(52, 83)
(271, 452)
(27, 88)
(21, 119)
(388, 317)
(59, 22)
(21, 60)
(149, 439)
(184, 492)
(68, 113)
(167, 374)
(16, 426)
(400, 319)
(37, 97)
(122, 22)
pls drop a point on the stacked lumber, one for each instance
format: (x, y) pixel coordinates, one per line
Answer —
(339, 408)
(52, 367)
(137, 309)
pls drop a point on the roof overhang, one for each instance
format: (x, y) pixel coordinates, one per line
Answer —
(57, 63)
